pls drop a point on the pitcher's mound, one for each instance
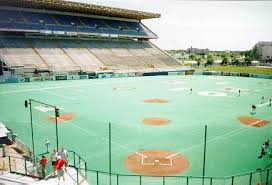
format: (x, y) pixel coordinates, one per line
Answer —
(156, 163)
(156, 121)
(155, 100)
(255, 122)
(62, 118)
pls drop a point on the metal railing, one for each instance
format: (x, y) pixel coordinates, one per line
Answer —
(23, 166)
(79, 164)
(261, 177)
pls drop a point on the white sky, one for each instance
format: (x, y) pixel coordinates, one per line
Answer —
(217, 25)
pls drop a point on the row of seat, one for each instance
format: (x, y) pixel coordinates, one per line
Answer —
(85, 55)
(11, 19)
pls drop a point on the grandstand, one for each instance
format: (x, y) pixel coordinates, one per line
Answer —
(68, 37)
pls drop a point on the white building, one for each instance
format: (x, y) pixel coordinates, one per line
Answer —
(264, 50)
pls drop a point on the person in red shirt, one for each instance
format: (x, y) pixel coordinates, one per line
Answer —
(43, 163)
(59, 167)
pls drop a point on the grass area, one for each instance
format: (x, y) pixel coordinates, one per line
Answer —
(238, 69)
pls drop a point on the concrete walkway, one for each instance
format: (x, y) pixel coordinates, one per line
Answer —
(13, 179)
(7, 178)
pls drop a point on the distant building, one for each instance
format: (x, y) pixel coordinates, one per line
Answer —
(264, 50)
(198, 51)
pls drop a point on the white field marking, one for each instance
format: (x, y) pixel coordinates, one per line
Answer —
(228, 134)
(170, 156)
(84, 130)
(104, 138)
(222, 83)
(141, 155)
(47, 88)
(175, 82)
(179, 89)
(61, 96)
(211, 93)
(36, 89)
(263, 104)
(147, 164)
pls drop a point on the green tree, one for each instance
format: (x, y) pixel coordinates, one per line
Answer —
(198, 59)
(235, 61)
(248, 61)
(210, 60)
(223, 55)
(254, 53)
(225, 61)
(192, 57)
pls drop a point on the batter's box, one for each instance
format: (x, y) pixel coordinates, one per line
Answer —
(160, 161)
(157, 163)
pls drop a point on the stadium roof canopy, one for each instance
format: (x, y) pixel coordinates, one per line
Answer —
(75, 7)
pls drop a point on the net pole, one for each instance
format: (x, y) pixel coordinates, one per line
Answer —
(110, 151)
(32, 130)
(57, 132)
(204, 155)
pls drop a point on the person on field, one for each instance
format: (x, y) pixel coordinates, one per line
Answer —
(262, 100)
(54, 160)
(47, 145)
(239, 92)
(59, 167)
(270, 102)
(43, 163)
(64, 156)
(262, 151)
(253, 107)
(191, 91)
(267, 148)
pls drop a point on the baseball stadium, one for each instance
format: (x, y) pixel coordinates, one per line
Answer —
(88, 78)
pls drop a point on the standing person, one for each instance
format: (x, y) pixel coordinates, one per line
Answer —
(64, 156)
(270, 102)
(59, 166)
(262, 151)
(262, 100)
(43, 163)
(47, 144)
(267, 148)
(253, 107)
(239, 92)
(54, 160)
(191, 91)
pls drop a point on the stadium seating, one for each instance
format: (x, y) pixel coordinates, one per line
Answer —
(80, 55)
(36, 21)
(56, 59)
(119, 56)
(18, 53)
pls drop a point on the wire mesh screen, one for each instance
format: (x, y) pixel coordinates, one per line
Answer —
(44, 127)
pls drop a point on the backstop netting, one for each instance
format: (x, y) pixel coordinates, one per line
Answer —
(44, 127)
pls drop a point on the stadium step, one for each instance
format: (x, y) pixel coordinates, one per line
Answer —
(38, 54)
(68, 56)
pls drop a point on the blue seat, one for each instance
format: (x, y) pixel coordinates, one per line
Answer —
(67, 20)
(33, 17)
(89, 30)
(22, 26)
(92, 22)
(8, 15)
(6, 25)
(55, 22)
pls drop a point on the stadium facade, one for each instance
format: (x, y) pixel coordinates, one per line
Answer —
(59, 38)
